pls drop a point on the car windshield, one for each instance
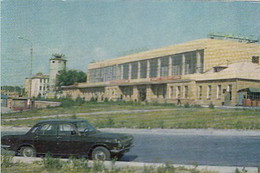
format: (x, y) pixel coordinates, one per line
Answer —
(84, 126)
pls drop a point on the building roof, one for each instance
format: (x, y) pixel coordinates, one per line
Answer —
(252, 90)
(39, 76)
(216, 45)
(246, 70)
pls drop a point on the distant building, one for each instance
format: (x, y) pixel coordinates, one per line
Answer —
(42, 85)
(198, 72)
(56, 64)
(37, 86)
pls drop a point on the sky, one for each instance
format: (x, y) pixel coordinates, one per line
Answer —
(92, 30)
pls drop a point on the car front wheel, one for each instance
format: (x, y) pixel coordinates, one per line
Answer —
(28, 152)
(101, 153)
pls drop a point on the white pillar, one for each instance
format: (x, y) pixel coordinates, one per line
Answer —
(159, 67)
(183, 65)
(121, 72)
(170, 66)
(198, 64)
(138, 69)
(130, 71)
(148, 69)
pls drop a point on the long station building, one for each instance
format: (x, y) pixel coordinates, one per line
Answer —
(205, 71)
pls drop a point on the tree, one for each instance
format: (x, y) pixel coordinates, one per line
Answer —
(70, 77)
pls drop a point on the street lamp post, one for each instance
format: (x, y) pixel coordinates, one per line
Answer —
(31, 53)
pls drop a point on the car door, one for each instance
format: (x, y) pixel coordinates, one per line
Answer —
(45, 139)
(69, 141)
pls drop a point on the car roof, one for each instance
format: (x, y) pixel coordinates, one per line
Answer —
(60, 121)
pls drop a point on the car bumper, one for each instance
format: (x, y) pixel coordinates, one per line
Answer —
(122, 150)
(6, 147)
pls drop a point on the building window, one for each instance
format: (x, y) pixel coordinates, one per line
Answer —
(176, 64)
(125, 71)
(218, 91)
(153, 67)
(209, 92)
(200, 92)
(190, 62)
(185, 92)
(134, 70)
(172, 92)
(229, 89)
(164, 66)
(143, 69)
(40, 87)
(255, 59)
(178, 91)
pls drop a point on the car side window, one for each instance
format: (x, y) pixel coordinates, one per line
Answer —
(66, 129)
(47, 129)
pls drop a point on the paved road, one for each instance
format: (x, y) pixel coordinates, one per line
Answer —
(190, 149)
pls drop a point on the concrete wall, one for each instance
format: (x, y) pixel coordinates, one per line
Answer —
(45, 104)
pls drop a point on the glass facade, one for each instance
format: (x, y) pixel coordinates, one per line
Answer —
(182, 63)
(153, 67)
(143, 69)
(164, 66)
(134, 70)
(126, 71)
(176, 64)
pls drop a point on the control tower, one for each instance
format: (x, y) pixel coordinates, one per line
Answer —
(56, 64)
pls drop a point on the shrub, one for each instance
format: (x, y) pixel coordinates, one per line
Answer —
(51, 163)
(73, 116)
(79, 101)
(161, 124)
(6, 159)
(211, 106)
(186, 105)
(197, 106)
(110, 122)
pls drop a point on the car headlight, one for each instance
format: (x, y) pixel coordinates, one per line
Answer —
(118, 142)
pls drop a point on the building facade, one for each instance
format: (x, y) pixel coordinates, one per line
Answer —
(42, 85)
(198, 72)
(37, 86)
(56, 64)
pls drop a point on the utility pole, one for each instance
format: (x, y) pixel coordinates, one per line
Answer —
(31, 59)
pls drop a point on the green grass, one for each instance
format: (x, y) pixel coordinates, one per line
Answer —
(180, 117)
(49, 164)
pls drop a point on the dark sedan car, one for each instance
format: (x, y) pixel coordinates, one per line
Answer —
(68, 137)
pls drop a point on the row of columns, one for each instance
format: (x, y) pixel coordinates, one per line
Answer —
(183, 64)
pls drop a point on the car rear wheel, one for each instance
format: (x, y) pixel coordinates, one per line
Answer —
(101, 153)
(28, 151)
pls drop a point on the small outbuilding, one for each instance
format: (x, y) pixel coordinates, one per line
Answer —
(249, 97)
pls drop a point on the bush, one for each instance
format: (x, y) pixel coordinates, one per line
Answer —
(211, 106)
(94, 100)
(6, 159)
(79, 101)
(110, 122)
(52, 163)
(197, 106)
(186, 105)
(161, 124)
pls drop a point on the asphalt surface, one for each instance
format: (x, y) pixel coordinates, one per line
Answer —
(214, 150)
